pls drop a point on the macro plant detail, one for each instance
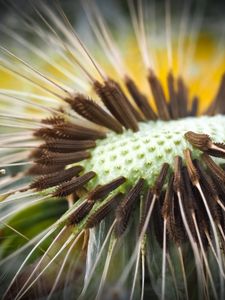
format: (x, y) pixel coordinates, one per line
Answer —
(108, 194)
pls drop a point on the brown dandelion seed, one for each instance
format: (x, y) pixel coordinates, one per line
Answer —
(102, 212)
(70, 186)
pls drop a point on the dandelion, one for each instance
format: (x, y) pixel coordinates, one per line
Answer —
(109, 191)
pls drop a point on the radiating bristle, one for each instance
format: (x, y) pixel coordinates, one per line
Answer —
(46, 181)
(158, 186)
(194, 107)
(93, 112)
(140, 100)
(101, 191)
(189, 191)
(158, 219)
(179, 100)
(69, 131)
(193, 173)
(53, 120)
(70, 186)
(80, 213)
(159, 97)
(78, 132)
(173, 101)
(168, 198)
(125, 101)
(103, 211)
(39, 169)
(51, 158)
(182, 96)
(178, 183)
(132, 195)
(202, 221)
(46, 133)
(205, 178)
(66, 145)
(124, 209)
(189, 203)
(214, 168)
(209, 187)
(175, 224)
(145, 209)
(116, 104)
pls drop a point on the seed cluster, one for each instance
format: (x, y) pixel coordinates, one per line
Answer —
(142, 180)
(119, 159)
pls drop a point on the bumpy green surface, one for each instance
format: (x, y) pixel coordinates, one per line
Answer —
(142, 153)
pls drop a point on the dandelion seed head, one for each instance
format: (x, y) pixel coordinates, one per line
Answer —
(116, 146)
